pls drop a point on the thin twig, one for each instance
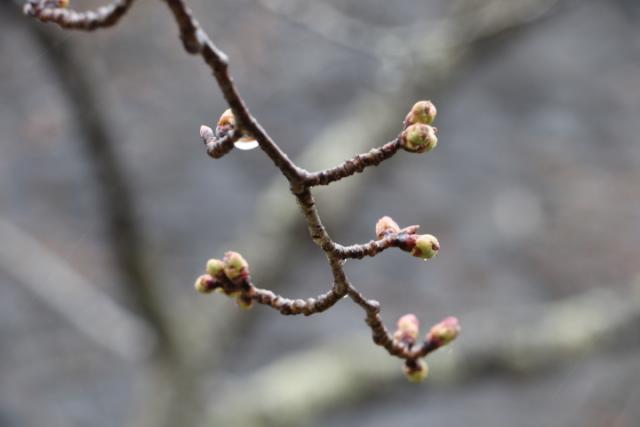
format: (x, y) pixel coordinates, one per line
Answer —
(352, 166)
(104, 16)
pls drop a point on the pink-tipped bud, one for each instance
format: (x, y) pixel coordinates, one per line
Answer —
(426, 246)
(422, 112)
(235, 266)
(385, 226)
(215, 268)
(206, 284)
(416, 371)
(444, 332)
(419, 138)
(408, 329)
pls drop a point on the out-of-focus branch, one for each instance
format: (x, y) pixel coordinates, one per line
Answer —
(162, 375)
(114, 195)
(80, 302)
(105, 16)
(303, 385)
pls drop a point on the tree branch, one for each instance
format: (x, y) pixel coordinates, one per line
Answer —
(105, 16)
(418, 136)
(352, 166)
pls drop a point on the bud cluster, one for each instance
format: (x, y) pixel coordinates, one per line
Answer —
(407, 332)
(419, 136)
(229, 276)
(423, 246)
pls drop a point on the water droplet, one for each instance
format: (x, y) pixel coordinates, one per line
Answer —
(246, 144)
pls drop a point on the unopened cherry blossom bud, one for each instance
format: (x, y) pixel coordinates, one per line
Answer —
(244, 301)
(235, 266)
(416, 371)
(385, 226)
(422, 112)
(226, 123)
(426, 246)
(206, 284)
(215, 268)
(444, 332)
(419, 138)
(408, 329)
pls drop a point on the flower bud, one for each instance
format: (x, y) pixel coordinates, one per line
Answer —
(206, 284)
(227, 123)
(244, 301)
(419, 138)
(416, 370)
(386, 225)
(235, 266)
(444, 332)
(408, 329)
(426, 246)
(422, 112)
(215, 268)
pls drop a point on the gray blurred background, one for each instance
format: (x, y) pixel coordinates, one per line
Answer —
(109, 208)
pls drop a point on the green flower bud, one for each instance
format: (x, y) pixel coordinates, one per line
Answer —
(206, 284)
(426, 246)
(215, 268)
(419, 138)
(416, 371)
(408, 329)
(444, 332)
(386, 225)
(235, 266)
(422, 112)
(244, 301)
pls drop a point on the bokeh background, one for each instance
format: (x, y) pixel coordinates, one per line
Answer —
(109, 208)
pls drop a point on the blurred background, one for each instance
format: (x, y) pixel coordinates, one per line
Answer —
(109, 208)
